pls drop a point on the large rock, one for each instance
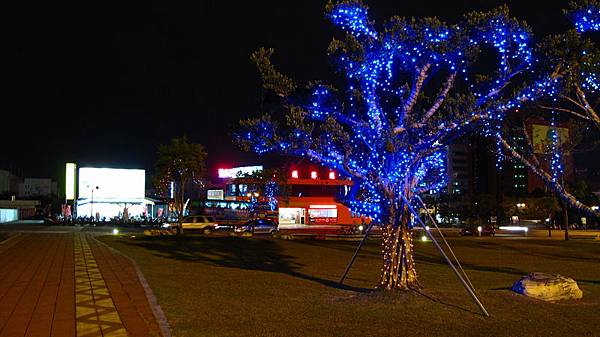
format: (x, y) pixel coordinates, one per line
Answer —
(548, 287)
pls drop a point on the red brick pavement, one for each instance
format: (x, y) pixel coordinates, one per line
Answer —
(126, 291)
(37, 288)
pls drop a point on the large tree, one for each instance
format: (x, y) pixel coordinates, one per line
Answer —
(406, 91)
(179, 164)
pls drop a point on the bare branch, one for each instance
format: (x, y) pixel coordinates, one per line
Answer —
(416, 89)
(547, 179)
(573, 101)
(440, 99)
(564, 110)
(499, 89)
(588, 107)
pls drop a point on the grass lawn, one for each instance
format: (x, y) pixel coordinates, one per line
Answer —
(228, 286)
(4, 236)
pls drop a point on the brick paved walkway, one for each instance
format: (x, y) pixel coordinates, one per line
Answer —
(68, 285)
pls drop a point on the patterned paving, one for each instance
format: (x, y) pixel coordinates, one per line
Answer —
(96, 314)
(70, 285)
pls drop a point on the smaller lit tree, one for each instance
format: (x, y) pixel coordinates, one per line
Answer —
(179, 164)
(273, 184)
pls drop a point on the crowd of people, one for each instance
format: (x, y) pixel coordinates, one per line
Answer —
(136, 221)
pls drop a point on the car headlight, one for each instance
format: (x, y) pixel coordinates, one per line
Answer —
(166, 225)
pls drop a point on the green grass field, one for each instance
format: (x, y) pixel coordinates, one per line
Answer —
(4, 236)
(228, 286)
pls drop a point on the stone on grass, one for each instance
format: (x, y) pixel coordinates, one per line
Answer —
(548, 287)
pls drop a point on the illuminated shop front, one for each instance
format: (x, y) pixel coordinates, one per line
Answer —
(294, 211)
(309, 196)
(291, 216)
(322, 214)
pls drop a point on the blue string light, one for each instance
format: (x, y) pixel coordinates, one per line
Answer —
(383, 162)
(556, 160)
(586, 18)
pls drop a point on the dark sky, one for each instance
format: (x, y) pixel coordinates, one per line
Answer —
(103, 83)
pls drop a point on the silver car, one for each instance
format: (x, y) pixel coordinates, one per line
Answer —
(196, 222)
(258, 226)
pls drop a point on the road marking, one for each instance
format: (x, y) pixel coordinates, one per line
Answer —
(96, 314)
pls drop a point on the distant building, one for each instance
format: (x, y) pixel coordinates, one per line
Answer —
(9, 183)
(11, 210)
(460, 169)
(515, 176)
(37, 187)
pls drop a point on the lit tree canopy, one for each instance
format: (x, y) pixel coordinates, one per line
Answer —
(179, 164)
(388, 127)
(408, 88)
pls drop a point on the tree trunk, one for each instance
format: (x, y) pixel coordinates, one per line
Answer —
(398, 270)
(566, 220)
(180, 208)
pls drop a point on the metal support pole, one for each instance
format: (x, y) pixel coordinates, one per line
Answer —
(462, 280)
(446, 242)
(362, 242)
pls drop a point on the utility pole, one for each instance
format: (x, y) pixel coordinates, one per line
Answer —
(566, 220)
(565, 212)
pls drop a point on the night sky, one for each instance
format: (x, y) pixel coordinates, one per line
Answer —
(103, 83)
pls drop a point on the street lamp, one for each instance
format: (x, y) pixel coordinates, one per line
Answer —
(92, 203)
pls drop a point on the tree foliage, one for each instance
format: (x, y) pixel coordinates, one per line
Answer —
(408, 89)
(179, 164)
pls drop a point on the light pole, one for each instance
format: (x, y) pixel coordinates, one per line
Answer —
(92, 203)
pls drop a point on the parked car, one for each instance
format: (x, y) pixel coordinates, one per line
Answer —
(195, 222)
(258, 226)
(474, 231)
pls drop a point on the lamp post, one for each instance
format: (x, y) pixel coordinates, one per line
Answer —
(92, 203)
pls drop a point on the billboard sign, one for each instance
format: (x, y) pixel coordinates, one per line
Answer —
(542, 137)
(70, 181)
(214, 195)
(108, 183)
(238, 171)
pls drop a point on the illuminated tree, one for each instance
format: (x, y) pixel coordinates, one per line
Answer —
(406, 91)
(179, 164)
(272, 182)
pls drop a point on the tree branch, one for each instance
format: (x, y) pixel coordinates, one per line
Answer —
(587, 106)
(573, 101)
(414, 93)
(564, 110)
(498, 89)
(440, 99)
(547, 179)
